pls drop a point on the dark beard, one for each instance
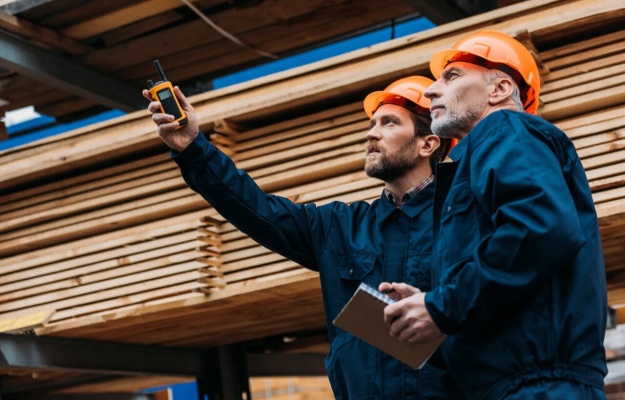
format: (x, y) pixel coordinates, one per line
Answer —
(387, 171)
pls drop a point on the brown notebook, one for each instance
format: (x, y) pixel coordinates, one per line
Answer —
(363, 317)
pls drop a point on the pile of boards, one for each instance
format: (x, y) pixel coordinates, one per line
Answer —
(100, 233)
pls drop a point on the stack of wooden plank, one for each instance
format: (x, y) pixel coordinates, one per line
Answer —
(165, 255)
(98, 243)
(584, 94)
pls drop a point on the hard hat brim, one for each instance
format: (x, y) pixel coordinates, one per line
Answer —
(439, 61)
(372, 101)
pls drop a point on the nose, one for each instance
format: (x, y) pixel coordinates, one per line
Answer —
(432, 91)
(374, 133)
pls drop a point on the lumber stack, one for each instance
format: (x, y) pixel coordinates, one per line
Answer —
(118, 247)
(173, 245)
(584, 94)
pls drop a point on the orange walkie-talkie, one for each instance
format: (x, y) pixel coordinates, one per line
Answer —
(164, 92)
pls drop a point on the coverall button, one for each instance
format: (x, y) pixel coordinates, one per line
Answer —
(448, 209)
(351, 272)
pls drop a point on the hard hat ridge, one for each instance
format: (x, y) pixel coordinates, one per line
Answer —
(406, 92)
(495, 50)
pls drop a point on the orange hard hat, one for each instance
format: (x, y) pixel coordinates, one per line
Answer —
(507, 54)
(410, 89)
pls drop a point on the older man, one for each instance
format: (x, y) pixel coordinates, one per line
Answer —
(518, 275)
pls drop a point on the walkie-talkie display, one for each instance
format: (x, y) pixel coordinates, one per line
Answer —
(164, 92)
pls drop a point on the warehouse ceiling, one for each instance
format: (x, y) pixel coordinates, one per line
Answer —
(73, 58)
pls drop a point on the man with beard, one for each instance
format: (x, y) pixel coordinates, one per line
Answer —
(389, 239)
(518, 276)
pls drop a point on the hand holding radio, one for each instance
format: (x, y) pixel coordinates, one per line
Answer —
(163, 91)
(179, 127)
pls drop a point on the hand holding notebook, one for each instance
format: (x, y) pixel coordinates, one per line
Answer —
(363, 317)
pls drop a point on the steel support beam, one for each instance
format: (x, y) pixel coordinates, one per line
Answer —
(46, 67)
(82, 396)
(222, 373)
(52, 353)
(228, 379)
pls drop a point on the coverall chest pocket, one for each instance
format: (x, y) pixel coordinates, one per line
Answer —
(459, 229)
(354, 268)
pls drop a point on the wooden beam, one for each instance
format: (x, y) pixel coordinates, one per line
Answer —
(313, 83)
(3, 131)
(41, 35)
(125, 16)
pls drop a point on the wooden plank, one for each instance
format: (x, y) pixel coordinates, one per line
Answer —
(586, 145)
(105, 270)
(112, 288)
(250, 148)
(34, 239)
(600, 151)
(132, 209)
(557, 90)
(180, 287)
(110, 21)
(607, 183)
(96, 325)
(310, 146)
(249, 24)
(586, 122)
(148, 231)
(612, 194)
(610, 159)
(581, 68)
(303, 121)
(311, 160)
(578, 46)
(92, 200)
(321, 170)
(86, 182)
(139, 28)
(66, 268)
(608, 97)
(41, 34)
(602, 51)
(25, 322)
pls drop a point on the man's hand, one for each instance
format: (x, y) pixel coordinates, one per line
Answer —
(408, 318)
(177, 139)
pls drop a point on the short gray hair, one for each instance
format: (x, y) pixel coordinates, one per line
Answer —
(492, 74)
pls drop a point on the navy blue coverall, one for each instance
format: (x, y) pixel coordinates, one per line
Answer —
(346, 244)
(518, 273)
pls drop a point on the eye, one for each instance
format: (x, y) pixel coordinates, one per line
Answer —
(390, 121)
(450, 74)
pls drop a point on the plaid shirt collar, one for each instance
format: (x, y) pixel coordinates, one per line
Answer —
(410, 193)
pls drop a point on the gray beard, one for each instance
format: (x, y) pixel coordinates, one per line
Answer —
(453, 125)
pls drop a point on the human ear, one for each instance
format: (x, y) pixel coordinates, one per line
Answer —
(501, 91)
(430, 144)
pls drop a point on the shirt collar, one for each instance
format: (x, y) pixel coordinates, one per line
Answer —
(410, 193)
